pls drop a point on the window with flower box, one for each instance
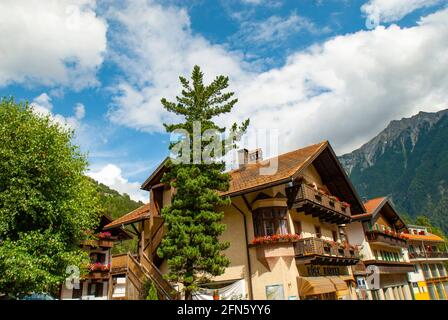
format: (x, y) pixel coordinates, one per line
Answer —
(270, 221)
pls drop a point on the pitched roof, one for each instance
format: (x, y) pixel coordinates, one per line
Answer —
(421, 237)
(289, 164)
(375, 205)
(372, 206)
(138, 214)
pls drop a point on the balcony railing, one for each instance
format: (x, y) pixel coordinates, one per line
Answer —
(312, 201)
(325, 252)
(384, 237)
(428, 255)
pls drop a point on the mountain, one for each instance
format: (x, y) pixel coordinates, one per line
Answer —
(113, 203)
(409, 162)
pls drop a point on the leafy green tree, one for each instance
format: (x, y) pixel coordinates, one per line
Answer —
(424, 221)
(46, 202)
(191, 245)
(150, 288)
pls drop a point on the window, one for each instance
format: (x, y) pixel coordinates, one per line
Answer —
(318, 231)
(432, 291)
(282, 222)
(442, 272)
(97, 257)
(298, 227)
(95, 289)
(275, 292)
(426, 271)
(270, 221)
(342, 234)
(77, 293)
(434, 271)
(440, 292)
(335, 236)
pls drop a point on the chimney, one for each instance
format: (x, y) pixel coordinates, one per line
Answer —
(255, 155)
(243, 157)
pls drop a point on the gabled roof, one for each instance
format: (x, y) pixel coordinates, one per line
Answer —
(155, 176)
(290, 166)
(248, 177)
(375, 206)
(138, 214)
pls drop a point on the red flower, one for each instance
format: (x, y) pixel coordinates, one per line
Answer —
(275, 238)
(104, 235)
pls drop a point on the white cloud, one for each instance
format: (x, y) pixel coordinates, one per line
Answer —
(160, 46)
(111, 175)
(269, 3)
(43, 106)
(394, 10)
(80, 111)
(346, 89)
(50, 42)
(275, 29)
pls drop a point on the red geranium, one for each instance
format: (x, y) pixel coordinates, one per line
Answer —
(276, 238)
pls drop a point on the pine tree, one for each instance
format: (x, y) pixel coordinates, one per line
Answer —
(191, 245)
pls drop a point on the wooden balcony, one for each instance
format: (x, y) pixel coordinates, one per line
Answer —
(102, 243)
(318, 251)
(119, 263)
(428, 255)
(305, 198)
(98, 275)
(381, 237)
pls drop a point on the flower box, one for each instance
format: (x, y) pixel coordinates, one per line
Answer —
(276, 238)
(98, 266)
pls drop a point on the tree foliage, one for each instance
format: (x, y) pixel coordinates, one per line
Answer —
(115, 205)
(151, 291)
(46, 201)
(191, 245)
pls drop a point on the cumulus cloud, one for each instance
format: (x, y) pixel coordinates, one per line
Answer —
(394, 10)
(345, 89)
(43, 106)
(153, 45)
(54, 43)
(111, 175)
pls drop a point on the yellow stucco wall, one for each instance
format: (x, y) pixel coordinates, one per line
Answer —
(421, 293)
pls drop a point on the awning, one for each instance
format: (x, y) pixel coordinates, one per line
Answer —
(319, 285)
(314, 285)
(347, 278)
(339, 284)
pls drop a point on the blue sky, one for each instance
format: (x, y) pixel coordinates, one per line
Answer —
(311, 69)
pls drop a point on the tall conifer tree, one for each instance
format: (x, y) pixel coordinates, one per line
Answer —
(191, 245)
